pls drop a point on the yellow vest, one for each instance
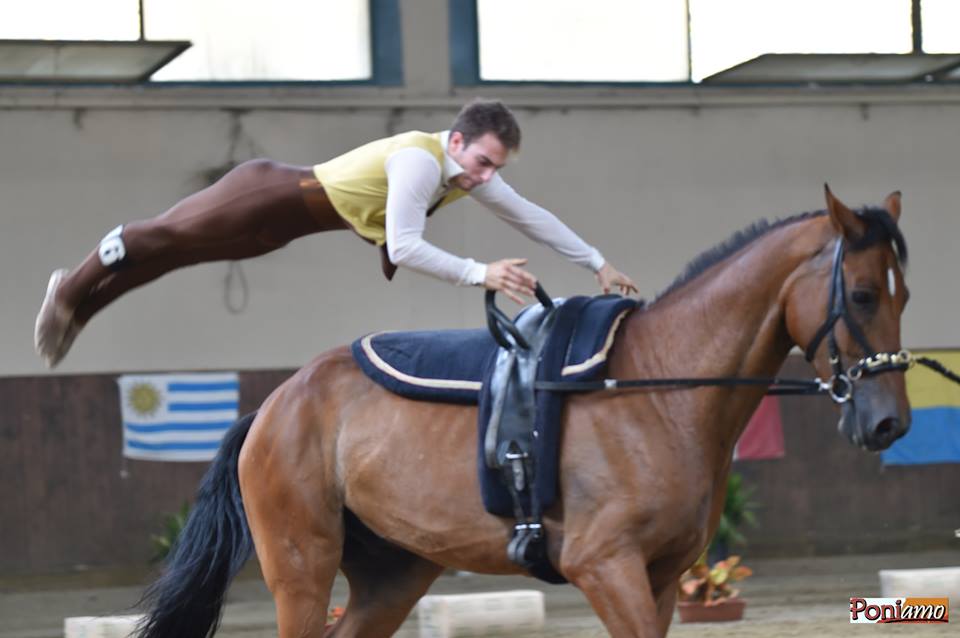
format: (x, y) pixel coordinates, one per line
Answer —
(356, 182)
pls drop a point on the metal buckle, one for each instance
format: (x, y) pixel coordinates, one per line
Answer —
(523, 527)
(843, 381)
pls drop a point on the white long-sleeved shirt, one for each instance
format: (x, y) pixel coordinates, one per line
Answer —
(416, 182)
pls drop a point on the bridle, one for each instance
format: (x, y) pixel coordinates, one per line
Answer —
(840, 385)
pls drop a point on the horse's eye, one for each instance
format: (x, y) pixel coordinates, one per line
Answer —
(865, 298)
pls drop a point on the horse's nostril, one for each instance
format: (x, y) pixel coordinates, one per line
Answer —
(887, 428)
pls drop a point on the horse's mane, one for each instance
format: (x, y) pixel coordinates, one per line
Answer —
(880, 228)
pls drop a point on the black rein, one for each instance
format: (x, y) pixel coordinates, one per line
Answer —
(839, 386)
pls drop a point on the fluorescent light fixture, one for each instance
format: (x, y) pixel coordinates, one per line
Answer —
(85, 61)
(827, 68)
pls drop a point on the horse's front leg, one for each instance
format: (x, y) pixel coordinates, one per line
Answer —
(615, 581)
(666, 602)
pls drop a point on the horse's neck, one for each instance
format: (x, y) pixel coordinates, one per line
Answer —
(728, 322)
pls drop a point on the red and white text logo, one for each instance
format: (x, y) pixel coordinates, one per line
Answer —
(899, 610)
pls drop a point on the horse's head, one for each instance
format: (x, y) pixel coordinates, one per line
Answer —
(845, 310)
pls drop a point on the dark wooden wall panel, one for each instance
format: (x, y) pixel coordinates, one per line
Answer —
(67, 498)
(64, 502)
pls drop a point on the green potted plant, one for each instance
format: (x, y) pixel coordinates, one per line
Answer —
(705, 592)
(738, 511)
(172, 526)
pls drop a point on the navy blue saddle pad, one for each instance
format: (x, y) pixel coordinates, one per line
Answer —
(438, 365)
(453, 366)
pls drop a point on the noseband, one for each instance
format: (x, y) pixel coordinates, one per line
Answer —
(840, 385)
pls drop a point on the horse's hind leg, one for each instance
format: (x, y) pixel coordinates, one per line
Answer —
(385, 583)
(381, 599)
(295, 514)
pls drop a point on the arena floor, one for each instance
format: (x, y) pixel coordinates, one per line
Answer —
(796, 597)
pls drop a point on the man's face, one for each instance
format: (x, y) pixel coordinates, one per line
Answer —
(480, 160)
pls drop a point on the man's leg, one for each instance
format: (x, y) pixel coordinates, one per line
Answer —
(254, 209)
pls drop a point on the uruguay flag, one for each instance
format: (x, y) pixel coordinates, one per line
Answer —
(177, 417)
(934, 435)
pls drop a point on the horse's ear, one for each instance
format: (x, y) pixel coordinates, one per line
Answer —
(844, 220)
(892, 204)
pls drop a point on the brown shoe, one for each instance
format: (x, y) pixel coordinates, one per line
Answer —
(53, 324)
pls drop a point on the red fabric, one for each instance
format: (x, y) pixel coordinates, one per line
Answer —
(763, 436)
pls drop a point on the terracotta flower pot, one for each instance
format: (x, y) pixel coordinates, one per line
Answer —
(333, 616)
(723, 610)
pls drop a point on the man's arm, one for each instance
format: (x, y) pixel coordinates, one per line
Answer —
(412, 178)
(536, 222)
(544, 227)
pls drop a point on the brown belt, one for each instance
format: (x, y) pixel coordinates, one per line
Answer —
(322, 210)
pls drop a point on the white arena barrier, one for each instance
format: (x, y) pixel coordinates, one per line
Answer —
(929, 582)
(461, 615)
(100, 626)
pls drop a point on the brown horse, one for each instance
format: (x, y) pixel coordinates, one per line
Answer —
(337, 473)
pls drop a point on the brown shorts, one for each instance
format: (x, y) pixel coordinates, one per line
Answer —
(321, 208)
(318, 203)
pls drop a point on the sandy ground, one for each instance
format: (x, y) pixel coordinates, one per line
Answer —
(797, 597)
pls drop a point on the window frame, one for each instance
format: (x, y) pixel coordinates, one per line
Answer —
(465, 57)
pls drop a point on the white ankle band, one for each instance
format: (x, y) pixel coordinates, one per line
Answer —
(112, 251)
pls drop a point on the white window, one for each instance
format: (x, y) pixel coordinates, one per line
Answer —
(577, 41)
(242, 40)
(727, 33)
(941, 26)
(647, 40)
(60, 20)
(254, 40)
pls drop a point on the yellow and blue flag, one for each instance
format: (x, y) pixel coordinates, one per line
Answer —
(934, 435)
(177, 417)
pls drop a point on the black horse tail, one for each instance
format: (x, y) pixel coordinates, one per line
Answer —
(187, 600)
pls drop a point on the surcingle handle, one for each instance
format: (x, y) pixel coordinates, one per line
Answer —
(545, 300)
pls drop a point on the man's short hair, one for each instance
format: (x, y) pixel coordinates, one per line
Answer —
(480, 117)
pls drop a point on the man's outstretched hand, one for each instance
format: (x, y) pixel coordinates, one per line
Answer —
(608, 277)
(508, 277)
